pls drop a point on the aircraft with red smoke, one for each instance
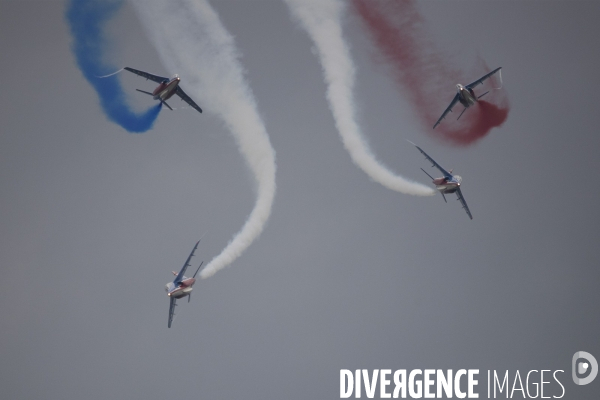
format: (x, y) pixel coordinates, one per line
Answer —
(181, 285)
(447, 184)
(166, 88)
(466, 96)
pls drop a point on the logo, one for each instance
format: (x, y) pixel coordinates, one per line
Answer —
(584, 363)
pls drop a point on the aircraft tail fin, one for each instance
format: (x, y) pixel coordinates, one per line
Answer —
(483, 95)
(143, 91)
(463, 111)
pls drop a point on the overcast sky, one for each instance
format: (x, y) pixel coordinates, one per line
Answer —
(347, 274)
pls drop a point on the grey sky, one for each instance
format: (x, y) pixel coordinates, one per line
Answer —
(347, 274)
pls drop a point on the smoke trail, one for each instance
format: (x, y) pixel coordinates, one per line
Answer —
(422, 72)
(192, 41)
(322, 21)
(87, 19)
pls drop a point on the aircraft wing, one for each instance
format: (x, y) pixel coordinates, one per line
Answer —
(155, 78)
(187, 98)
(452, 104)
(172, 305)
(463, 202)
(483, 78)
(179, 276)
(447, 174)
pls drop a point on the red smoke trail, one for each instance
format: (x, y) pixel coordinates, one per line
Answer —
(425, 77)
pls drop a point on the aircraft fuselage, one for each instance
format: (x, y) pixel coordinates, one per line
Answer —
(445, 186)
(466, 96)
(184, 288)
(166, 90)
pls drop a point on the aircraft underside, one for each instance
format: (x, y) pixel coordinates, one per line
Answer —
(180, 292)
(166, 94)
(467, 100)
(446, 189)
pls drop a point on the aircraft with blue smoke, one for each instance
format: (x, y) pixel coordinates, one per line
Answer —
(466, 96)
(181, 285)
(166, 88)
(448, 183)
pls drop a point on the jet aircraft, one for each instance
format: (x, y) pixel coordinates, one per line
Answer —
(448, 183)
(166, 88)
(181, 285)
(466, 96)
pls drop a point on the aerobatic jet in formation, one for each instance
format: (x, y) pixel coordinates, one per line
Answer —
(466, 96)
(448, 183)
(181, 285)
(166, 88)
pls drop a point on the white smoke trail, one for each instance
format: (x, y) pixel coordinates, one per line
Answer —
(322, 20)
(192, 41)
(114, 73)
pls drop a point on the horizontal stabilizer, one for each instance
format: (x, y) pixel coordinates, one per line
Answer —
(198, 269)
(483, 94)
(143, 91)
(427, 173)
(168, 106)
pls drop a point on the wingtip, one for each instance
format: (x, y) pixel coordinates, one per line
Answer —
(411, 142)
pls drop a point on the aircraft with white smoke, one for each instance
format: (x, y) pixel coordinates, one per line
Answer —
(466, 96)
(181, 285)
(166, 89)
(448, 183)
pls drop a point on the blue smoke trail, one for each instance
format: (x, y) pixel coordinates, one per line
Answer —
(86, 19)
